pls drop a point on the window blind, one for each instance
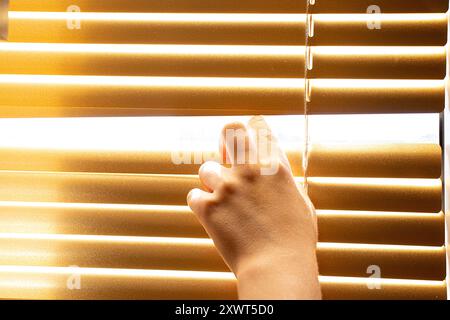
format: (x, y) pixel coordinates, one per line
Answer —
(121, 216)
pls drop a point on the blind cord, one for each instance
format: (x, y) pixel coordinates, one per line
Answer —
(306, 96)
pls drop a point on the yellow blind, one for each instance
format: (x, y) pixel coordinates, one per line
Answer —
(121, 215)
(220, 58)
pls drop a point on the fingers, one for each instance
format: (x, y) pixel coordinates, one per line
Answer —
(235, 144)
(210, 174)
(267, 144)
(262, 135)
(253, 145)
(197, 200)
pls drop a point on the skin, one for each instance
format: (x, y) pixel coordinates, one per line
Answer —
(263, 225)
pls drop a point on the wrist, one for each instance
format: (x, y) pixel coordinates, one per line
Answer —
(279, 277)
(286, 262)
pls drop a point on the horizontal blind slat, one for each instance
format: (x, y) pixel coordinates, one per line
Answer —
(381, 227)
(366, 96)
(222, 61)
(329, 160)
(281, 6)
(51, 283)
(358, 288)
(421, 195)
(281, 29)
(376, 194)
(335, 259)
(378, 62)
(396, 29)
(374, 160)
(178, 221)
(216, 96)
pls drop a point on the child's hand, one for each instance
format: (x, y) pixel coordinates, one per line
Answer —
(263, 225)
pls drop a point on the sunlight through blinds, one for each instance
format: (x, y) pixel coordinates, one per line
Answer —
(120, 216)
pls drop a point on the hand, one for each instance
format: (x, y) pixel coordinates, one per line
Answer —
(262, 223)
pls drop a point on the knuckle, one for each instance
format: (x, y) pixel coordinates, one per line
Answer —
(228, 187)
(210, 206)
(250, 172)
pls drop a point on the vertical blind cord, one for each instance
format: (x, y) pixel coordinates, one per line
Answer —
(306, 96)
